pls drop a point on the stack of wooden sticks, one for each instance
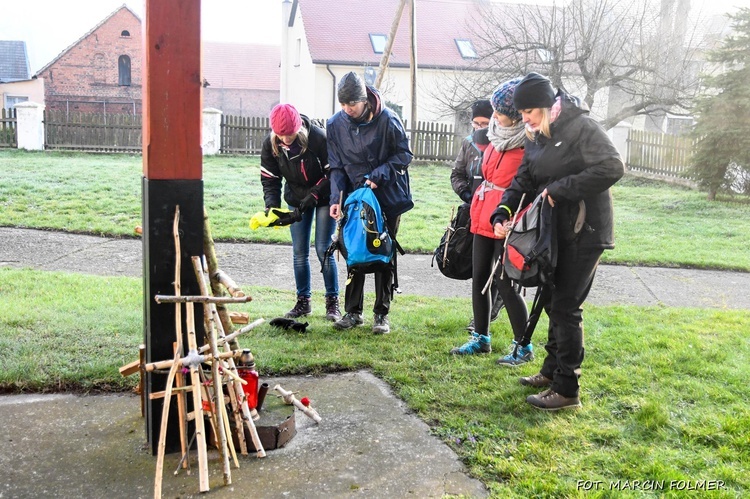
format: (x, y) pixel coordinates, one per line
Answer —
(187, 376)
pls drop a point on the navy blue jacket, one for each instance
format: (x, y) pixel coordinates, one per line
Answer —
(377, 150)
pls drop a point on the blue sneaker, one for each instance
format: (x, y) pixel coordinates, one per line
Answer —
(478, 343)
(518, 355)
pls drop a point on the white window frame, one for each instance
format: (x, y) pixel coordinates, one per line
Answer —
(17, 98)
(378, 42)
(466, 48)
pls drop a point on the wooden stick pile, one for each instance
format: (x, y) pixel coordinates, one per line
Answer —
(206, 388)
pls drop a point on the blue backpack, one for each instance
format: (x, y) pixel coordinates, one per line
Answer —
(363, 236)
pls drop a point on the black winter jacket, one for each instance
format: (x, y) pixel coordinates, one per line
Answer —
(579, 162)
(377, 150)
(304, 174)
(466, 174)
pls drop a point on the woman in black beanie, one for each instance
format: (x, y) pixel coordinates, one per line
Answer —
(571, 161)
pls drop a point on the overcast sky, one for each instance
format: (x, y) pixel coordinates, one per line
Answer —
(50, 26)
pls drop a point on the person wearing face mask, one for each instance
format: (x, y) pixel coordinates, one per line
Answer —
(571, 161)
(296, 152)
(367, 145)
(499, 165)
(466, 174)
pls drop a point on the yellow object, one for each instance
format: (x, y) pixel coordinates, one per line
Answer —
(376, 243)
(260, 219)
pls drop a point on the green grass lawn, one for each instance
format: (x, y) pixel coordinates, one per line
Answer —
(656, 224)
(664, 391)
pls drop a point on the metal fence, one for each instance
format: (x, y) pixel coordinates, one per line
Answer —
(8, 135)
(98, 132)
(658, 153)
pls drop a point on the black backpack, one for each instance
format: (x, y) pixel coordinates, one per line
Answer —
(453, 254)
(531, 250)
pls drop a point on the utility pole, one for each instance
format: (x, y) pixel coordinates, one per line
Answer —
(389, 44)
(413, 61)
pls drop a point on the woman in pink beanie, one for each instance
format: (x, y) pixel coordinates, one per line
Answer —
(296, 152)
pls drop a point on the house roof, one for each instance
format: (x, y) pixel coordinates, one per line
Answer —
(338, 31)
(14, 62)
(89, 32)
(241, 66)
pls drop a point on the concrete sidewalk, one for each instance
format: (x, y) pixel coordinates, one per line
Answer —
(271, 265)
(367, 445)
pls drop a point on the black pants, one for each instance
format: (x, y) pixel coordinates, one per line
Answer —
(484, 255)
(573, 278)
(355, 289)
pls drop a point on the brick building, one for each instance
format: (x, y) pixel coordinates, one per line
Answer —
(101, 71)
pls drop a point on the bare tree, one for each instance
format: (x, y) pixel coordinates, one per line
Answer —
(642, 52)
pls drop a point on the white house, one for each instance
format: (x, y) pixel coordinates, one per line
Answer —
(324, 39)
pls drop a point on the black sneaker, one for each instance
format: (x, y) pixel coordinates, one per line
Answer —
(332, 308)
(348, 321)
(380, 324)
(301, 309)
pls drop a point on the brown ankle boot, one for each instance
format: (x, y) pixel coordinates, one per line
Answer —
(550, 400)
(538, 380)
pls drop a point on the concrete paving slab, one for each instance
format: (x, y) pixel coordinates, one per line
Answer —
(368, 445)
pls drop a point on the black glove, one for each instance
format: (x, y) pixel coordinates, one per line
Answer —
(284, 323)
(500, 215)
(308, 202)
(286, 218)
(300, 327)
(466, 196)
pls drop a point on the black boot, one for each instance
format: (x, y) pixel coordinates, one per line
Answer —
(333, 313)
(301, 309)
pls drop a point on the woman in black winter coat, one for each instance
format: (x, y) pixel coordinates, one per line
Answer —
(568, 158)
(296, 151)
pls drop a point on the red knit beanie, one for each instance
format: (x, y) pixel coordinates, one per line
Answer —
(285, 119)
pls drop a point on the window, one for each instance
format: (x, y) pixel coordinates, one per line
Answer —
(125, 33)
(123, 66)
(679, 125)
(378, 43)
(466, 49)
(12, 100)
(544, 55)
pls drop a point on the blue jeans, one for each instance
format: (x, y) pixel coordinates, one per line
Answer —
(324, 227)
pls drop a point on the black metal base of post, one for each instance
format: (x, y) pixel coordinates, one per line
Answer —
(160, 197)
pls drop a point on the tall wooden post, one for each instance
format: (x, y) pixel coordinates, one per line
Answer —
(172, 175)
(413, 65)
